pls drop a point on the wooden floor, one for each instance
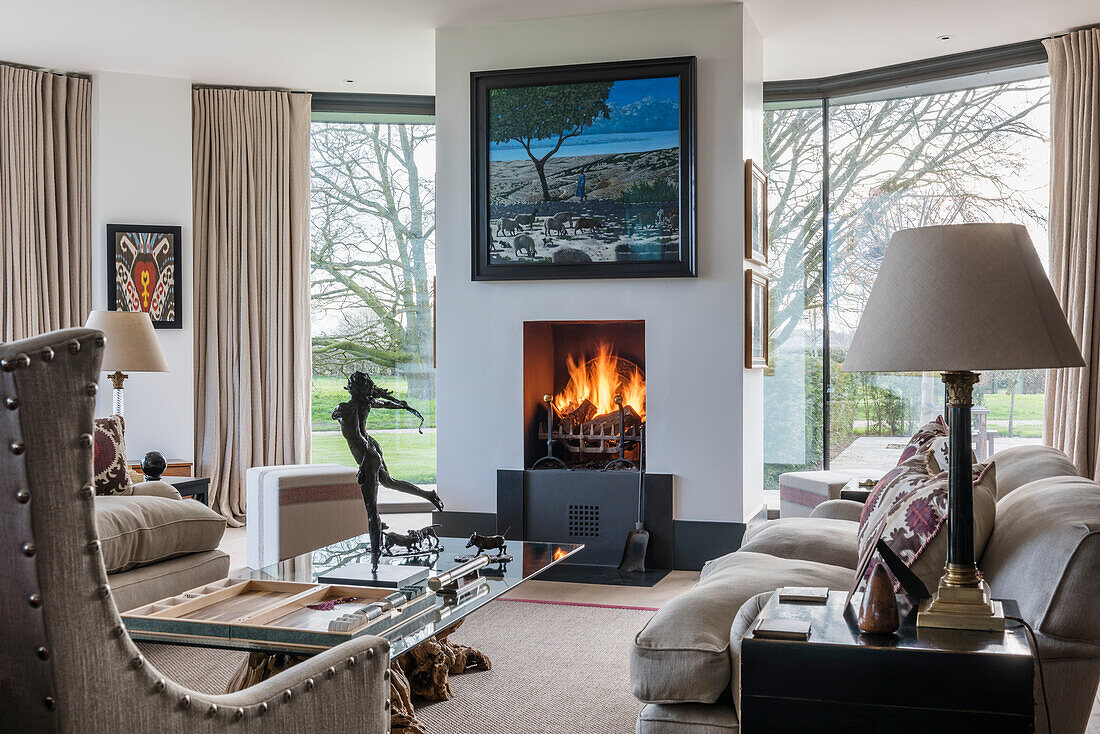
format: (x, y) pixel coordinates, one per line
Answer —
(676, 583)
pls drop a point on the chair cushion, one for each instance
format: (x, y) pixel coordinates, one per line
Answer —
(808, 539)
(140, 530)
(112, 475)
(682, 654)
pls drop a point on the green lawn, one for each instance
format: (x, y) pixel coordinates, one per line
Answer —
(1028, 407)
(329, 391)
(409, 455)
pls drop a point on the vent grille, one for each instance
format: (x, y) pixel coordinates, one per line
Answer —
(584, 521)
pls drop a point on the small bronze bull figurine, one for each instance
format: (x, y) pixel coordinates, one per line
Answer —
(488, 542)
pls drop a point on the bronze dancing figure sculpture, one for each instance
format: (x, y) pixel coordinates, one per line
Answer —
(352, 416)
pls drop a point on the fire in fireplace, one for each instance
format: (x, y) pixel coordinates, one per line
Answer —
(584, 392)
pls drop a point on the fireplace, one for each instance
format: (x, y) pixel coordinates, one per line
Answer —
(589, 492)
(584, 390)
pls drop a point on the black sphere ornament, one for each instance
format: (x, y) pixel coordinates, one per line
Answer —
(153, 465)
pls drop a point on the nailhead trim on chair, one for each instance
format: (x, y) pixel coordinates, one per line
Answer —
(159, 685)
(331, 672)
(103, 592)
(49, 702)
(93, 547)
(185, 702)
(29, 549)
(74, 347)
(100, 341)
(370, 654)
(87, 491)
(138, 661)
(262, 708)
(42, 653)
(238, 714)
(91, 389)
(212, 711)
(287, 695)
(86, 440)
(11, 403)
(351, 662)
(47, 354)
(17, 447)
(118, 631)
(14, 363)
(35, 600)
(309, 684)
(23, 496)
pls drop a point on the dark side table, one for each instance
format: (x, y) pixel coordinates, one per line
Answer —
(195, 487)
(915, 680)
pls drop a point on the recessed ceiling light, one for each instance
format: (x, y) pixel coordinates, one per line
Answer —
(944, 37)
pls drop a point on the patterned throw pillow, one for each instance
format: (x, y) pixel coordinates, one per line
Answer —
(903, 478)
(914, 522)
(924, 439)
(112, 476)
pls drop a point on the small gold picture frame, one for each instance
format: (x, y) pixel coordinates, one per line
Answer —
(756, 213)
(756, 319)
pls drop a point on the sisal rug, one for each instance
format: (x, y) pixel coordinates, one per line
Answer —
(557, 669)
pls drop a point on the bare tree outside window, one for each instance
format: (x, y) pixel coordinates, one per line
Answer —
(372, 255)
(974, 155)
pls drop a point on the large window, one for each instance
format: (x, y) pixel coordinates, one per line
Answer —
(846, 173)
(372, 251)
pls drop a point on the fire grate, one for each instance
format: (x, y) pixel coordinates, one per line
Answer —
(584, 521)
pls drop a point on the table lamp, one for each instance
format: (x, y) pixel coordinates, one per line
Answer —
(132, 346)
(957, 299)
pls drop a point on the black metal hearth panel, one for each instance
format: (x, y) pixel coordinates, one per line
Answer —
(591, 507)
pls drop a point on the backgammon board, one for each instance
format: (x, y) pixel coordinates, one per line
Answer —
(277, 616)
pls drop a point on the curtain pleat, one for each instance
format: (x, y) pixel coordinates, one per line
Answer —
(1072, 412)
(45, 201)
(252, 333)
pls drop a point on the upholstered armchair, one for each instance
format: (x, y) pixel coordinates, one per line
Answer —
(66, 660)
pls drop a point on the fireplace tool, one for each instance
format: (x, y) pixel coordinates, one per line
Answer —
(637, 540)
(549, 458)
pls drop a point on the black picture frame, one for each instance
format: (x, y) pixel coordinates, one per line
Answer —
(118, 262)
(482, 82)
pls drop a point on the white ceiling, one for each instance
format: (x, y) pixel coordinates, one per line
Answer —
(388, 45)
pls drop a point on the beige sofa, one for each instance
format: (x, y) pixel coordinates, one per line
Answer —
(155, 544)
(1044, 553)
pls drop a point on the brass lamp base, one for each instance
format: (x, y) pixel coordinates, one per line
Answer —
(962, 603)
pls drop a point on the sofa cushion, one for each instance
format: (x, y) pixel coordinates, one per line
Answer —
(140, 530)
(746, 615)
(682, 654)
(902, 479)
(112, 475)
(1022, 465)
(1045, 554)
(808, 539)
(688, 718)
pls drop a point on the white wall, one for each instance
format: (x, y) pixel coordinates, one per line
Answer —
(753, 392)
(696, 383)
(141, 174)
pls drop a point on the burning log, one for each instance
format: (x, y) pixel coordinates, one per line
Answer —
(608, 423)
(578, 415)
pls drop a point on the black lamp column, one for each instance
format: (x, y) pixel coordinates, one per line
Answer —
(961, 567)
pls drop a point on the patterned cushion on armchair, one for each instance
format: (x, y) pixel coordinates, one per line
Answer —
(112, 476)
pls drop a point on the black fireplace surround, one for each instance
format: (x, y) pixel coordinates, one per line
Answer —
(595, 508)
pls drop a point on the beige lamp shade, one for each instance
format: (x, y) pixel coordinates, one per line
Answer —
(132, 344)
(961, 297)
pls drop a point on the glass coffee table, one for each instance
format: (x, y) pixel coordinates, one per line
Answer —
(529, 559)
(284, 624)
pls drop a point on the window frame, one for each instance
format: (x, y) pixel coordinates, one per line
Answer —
(926, 76)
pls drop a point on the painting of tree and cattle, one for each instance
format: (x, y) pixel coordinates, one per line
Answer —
(585, 171)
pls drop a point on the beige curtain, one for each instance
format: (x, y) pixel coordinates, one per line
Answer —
(251, 234)
(1072, 417)
(45, 205)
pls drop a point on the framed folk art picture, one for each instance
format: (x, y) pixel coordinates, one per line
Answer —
(584, 171)
(756, 213)
(143, 272)
(756, 319)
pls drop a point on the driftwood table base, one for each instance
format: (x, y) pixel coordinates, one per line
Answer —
(423, 672)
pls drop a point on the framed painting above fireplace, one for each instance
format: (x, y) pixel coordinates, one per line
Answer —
(584, 171)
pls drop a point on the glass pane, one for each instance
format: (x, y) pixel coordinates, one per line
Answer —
(372, 250)
(793, 381)
(975, 155)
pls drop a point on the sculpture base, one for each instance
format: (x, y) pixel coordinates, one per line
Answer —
(962, 608)
(388, 575)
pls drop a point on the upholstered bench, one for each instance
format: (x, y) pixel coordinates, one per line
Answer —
(801, 491)
(298, 508)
